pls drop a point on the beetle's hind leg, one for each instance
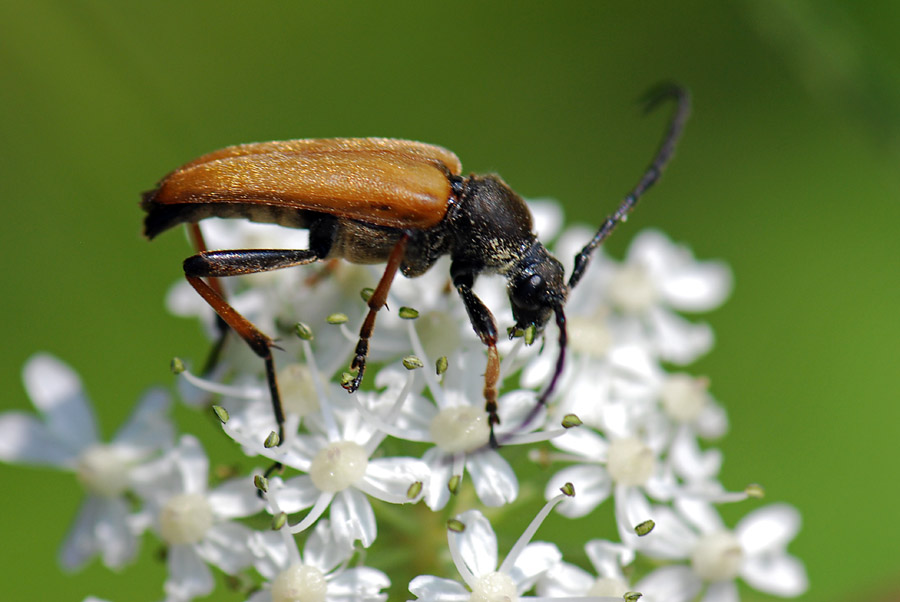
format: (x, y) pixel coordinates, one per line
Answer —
(217, 264)
(376, 302)
(215, 352)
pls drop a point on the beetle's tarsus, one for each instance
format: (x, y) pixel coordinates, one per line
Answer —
(353, 385)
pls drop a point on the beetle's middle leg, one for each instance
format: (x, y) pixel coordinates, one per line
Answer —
(217, 264)
(486, 328)
(376, 302)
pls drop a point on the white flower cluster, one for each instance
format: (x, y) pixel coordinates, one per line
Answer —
(619, 425)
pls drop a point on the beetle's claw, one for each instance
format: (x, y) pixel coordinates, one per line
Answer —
(352, 385)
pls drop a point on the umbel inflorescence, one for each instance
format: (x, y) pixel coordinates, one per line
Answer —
(628, 433)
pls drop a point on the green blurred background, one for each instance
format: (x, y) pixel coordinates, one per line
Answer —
(788, 171)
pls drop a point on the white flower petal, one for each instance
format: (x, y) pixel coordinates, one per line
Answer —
(548, 218)
(80, 544)
(563, 581)
(225, 546)
(686, 284)
(570, 243)
(296, 494)
(429, 588)
(671, 537)
(592, 487)
(631, 509)
(352, 518)
(100, 527)
(514, 407)
(586, 391)
(56, 390)
(493, 478)
(653, 250)
(149, 427)
(193, 464)
(584, 443)
(118, 543)
(183, 301)
(418, 412)
(722, 591)
(713, 421)
(538, 371)
(608, 558)
(359, 583)
(662, 484)
(698, 287)
(477, 543)
(537, 558)
(269, 552)
(701, 514)
(689, 461)
(26, 440)
(780, 575)
(262, 595)
(678, 340)
(670, 584)
(768, 528)
(322, 550)
(189, 577)
(392, 477)
(158, 479)
(440, 463)
(235, 498)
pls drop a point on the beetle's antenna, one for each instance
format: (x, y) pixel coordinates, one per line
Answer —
(560, 359)
(653, 98)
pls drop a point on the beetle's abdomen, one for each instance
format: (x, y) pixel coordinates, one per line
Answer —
(363, 243)
(160, 217)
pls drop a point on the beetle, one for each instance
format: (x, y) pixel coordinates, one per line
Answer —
(381, 200)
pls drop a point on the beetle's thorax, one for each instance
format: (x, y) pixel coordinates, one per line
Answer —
(490, 225)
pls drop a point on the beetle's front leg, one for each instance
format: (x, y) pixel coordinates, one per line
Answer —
(376, 302)
(486, 328)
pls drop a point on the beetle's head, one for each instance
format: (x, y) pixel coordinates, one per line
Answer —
(536, 288)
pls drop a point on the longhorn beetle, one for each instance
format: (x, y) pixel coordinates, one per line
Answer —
(380, 200)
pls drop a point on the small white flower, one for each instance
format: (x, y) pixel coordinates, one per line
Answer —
(608, 559)
(756, 550)
(320, 574)
(65, 437)
(457, 424)
(605, 466)
(473, 547)
(196, 522)
(340, 472)
(569, 581)
(686, 411)
(657, 277)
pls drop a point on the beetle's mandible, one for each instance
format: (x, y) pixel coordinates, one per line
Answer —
(379, 200)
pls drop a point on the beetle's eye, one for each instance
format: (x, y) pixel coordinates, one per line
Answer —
(535, 288)
(527, 292)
